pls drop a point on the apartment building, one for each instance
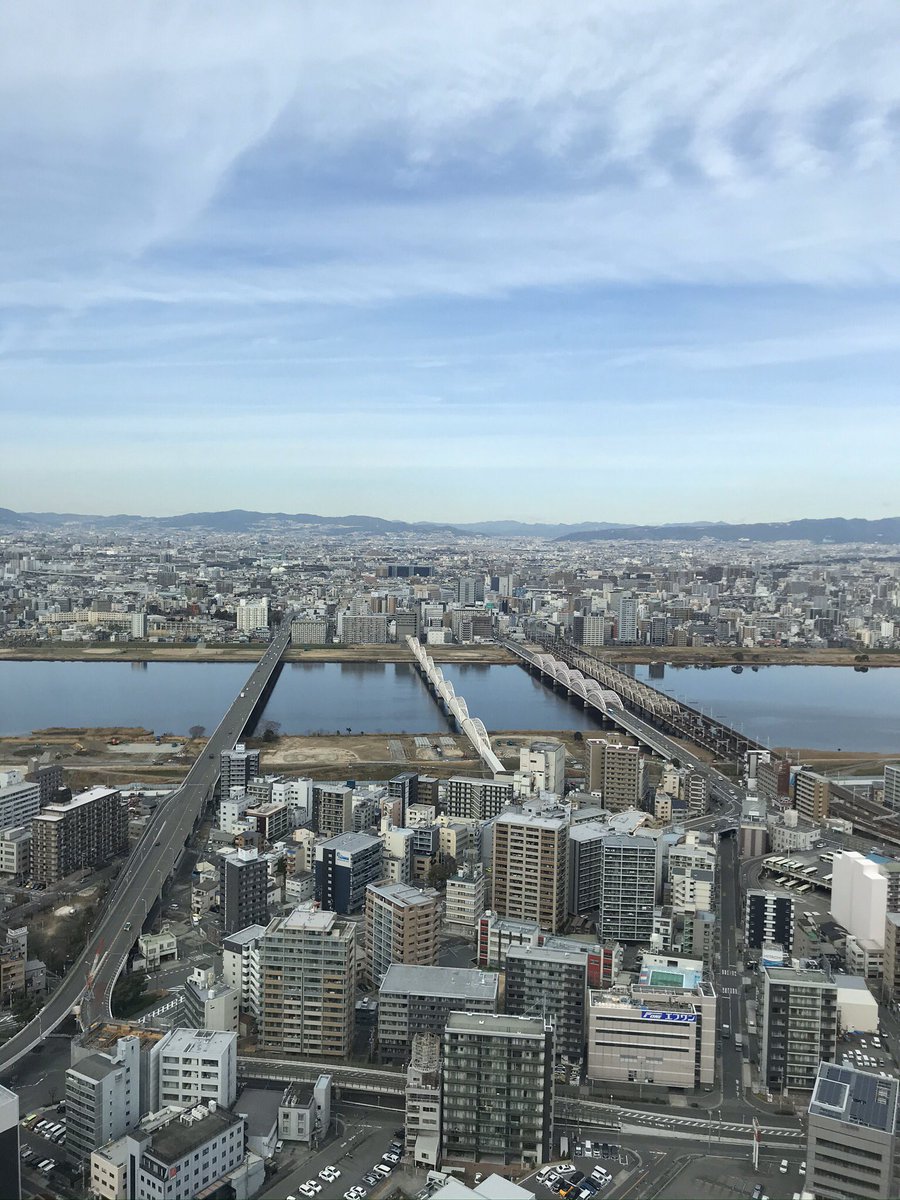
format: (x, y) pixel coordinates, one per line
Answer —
(20, 803)
(529, 864)
(401, 926)
(417, 999)
(103, 1097)
(497, 1089)
(811, 796)
(243, 890)
(768, 917)
(616, 772)
(464, 899)
(851, 1140)
(477, 799)
(193, 1066)
(252, 615)
(553, 983)
(236, 768)
(310, 631)
(545, 761)
(15, 851)
(240, 965)
(209, 1002)
(334, 809)
(799, 1027)
(629, 888)
(10, 1175)
(344, 868)
(86, 830)
(422, 1125)
(185, 1157)
(307, 968)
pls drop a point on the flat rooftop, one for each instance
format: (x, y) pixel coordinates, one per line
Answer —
(496, 1023)
(856, 1097)
(464, 983)
(178, 1138)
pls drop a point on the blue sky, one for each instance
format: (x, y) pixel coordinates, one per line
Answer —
(621, 261)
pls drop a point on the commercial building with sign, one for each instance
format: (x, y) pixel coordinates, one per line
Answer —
(653, 1035)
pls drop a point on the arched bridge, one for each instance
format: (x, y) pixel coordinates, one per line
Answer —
(456, 706)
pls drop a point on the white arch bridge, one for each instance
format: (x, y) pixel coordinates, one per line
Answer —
(456, 706)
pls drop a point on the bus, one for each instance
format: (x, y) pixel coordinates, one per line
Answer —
(827, 878)
(781, 881)
(790, 883)
(826, 858)
(810, 870)
(804, 888)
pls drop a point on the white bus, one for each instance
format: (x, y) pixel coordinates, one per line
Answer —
(804, 888)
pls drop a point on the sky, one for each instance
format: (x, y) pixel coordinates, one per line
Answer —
(626, 261)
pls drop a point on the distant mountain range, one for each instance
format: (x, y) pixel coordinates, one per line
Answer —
(239, 520)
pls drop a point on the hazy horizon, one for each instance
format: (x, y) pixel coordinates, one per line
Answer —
(430, 260)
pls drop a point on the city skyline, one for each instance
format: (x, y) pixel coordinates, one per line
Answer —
(568, 266)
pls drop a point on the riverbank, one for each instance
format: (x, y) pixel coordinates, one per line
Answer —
(143, 652)
(676, 656)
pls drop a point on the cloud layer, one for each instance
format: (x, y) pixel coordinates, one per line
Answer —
(421, 216)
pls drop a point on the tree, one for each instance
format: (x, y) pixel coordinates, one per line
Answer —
(128, 994)
(196, 732)
(440, 872)
(738, 656)
(577, 736)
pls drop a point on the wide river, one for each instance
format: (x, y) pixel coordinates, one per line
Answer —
(814, 707)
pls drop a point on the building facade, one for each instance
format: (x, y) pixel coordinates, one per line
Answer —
(344, 868)
(86, 830)
(852, 1135)
(629, 888)
(415, 1000)
(799, 1027)
(243, 890)
(529, 863)
(497, 1089)
(768, 917)
(401, 926)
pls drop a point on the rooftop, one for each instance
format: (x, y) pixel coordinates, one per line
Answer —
(178, 1138)
(496, 1023)
(259, 1107)
(845, 1094)
(196, 1042)
(243, 936)
(465, 983)
(349, 842)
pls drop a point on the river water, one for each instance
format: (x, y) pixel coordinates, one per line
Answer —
(814, 707)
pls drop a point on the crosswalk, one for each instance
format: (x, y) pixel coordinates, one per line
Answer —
(665, 1121)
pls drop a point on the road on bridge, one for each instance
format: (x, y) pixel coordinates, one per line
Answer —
(141, 879)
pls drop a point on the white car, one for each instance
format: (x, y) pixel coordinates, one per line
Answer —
(329, 1174)
(784, 1166)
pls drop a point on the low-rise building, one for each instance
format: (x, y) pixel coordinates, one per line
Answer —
(304, 1114)
(193, 1066)
(210, 1003)
(158, 948)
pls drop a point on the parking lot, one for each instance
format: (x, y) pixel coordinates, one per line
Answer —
(596, 1169)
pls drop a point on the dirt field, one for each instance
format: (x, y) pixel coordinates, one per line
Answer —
(137, 652)
(844, 762)
(722, 656)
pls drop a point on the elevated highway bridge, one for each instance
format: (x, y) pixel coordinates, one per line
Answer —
(87, 986)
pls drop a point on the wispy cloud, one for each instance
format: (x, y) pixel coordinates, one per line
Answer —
(534, 204)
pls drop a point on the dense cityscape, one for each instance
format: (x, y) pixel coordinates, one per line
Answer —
(544, 955)
(449, 600)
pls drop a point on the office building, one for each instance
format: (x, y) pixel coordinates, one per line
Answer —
(103, 1097)
(422, 1127)
(585, 872)
(210, 1003)
(653, 1035)
(811, 796)
(477, 799)
(307, 974)
(236, 768)
(768, 917)
(465, 897)
(616, 772)
(629, 888)
(469, 589)
(799, 1027)
(415, 1000)
(497, 1089)
(401, 926)
(551, 982)
(529, 863)
(252, 615)
(333, 805)
(20, 803)
(10, 1175)
(240, 965)
(87, 830)
(593, 629)
(243, 890)
(186, 1156)
(546, 762)
(851, 1135)
(193, 1066)
(344, 868)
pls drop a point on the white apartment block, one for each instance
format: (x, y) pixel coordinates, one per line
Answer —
(15, 850)
(193, 1066)
(465, 897)
(240, 965)
(252, 615)
(546, 763)
(20, 803)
